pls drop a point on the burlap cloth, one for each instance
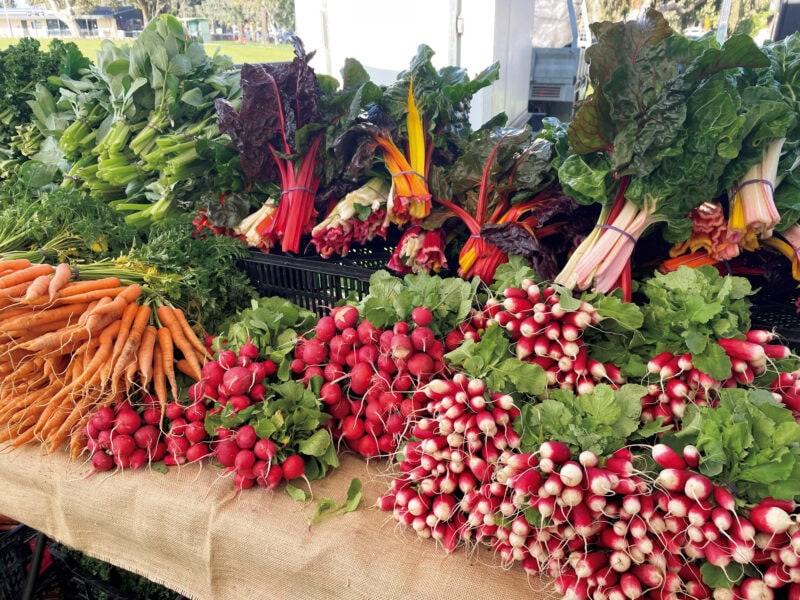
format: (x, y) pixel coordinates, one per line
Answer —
(189, 531)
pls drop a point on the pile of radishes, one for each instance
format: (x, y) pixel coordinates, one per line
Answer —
(372, 376)
(680, 383)
(235, 382)
(552, 337)
(120, 437)
(596, 525)
(447, 488)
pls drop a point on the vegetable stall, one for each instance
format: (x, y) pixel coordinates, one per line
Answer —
(517, 380)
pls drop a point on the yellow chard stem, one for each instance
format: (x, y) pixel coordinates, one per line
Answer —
(416, 142)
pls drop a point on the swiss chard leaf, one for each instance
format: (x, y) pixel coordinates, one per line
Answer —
(491, 360)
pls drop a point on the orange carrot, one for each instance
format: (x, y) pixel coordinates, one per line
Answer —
(59, 280)
(128, 315)
(131, 344)
(160, 381)
(33, 319)
(168, 359)
(167, 318)
(184, 367)
(37, 288)
(76, 288)
(25, 275)
(14, 264)
(145, 355)
(15, 291)
(190, 334)
(91, 374)
(129, 294)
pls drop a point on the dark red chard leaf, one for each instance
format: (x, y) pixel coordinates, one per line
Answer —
(622, 43)
(277, 100)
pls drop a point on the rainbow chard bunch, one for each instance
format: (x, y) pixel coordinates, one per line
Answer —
(419, 251)
(655, 155)
(415, 125)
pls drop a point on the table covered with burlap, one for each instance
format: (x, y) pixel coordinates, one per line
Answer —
(189, 531)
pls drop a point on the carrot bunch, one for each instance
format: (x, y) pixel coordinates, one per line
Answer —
(68, 348)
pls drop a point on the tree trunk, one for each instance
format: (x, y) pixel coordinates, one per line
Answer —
(264, 14)
(66, 14)
(145, 17)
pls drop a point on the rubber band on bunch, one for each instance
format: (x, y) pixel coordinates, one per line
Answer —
(298, 189)
(618, 230)
(410, 173)
(747, 182)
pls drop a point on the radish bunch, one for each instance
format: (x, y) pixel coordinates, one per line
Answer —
(445, 489)
(254, 461)
(371, 376)
(550, 336)
(680, 382)
(120, 437)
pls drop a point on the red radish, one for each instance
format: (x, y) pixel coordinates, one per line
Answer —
(102, 462)
(122, 445)
(368, 334)
(238, 402)
(422, 316)
(655, 364)
(325, 329)
(197, 452)
(400, 328)
(226, 451)
(698, 487)
(770, 519)
(298, 366)
(360, 378)
(265, 449)
(227, 359)
(742, 349)
(315, 352)
(237, 380)
(630, 585)
(146, 437)
(274, 476)
(195, 412)
(673, 480)
(293, 467)
(138, 459)
(212, 372)
(421, 365)
(344, 316)
(127, 422)
(558, 452)
(195, 432)
(352, 428)
(691, 455)
(177, 445)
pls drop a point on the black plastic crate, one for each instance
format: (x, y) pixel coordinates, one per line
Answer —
(782, 317)
(78, 583)
(16, 552)
(314, 282)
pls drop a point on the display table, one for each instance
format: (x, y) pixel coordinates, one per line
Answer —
(189, 531)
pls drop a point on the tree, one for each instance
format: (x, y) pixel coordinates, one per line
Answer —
(746, 15)
(65, 11)
(151, 8)
(249, 15)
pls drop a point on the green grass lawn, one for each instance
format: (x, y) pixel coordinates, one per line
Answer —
(240, 53)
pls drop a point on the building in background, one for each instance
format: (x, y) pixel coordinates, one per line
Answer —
(41, 22)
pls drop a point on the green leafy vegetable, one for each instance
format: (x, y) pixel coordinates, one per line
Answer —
(491, 360)
(600, 422)
(291, 416)
(392, 299)
(749, 443)
(327, 507)
(273, 325)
